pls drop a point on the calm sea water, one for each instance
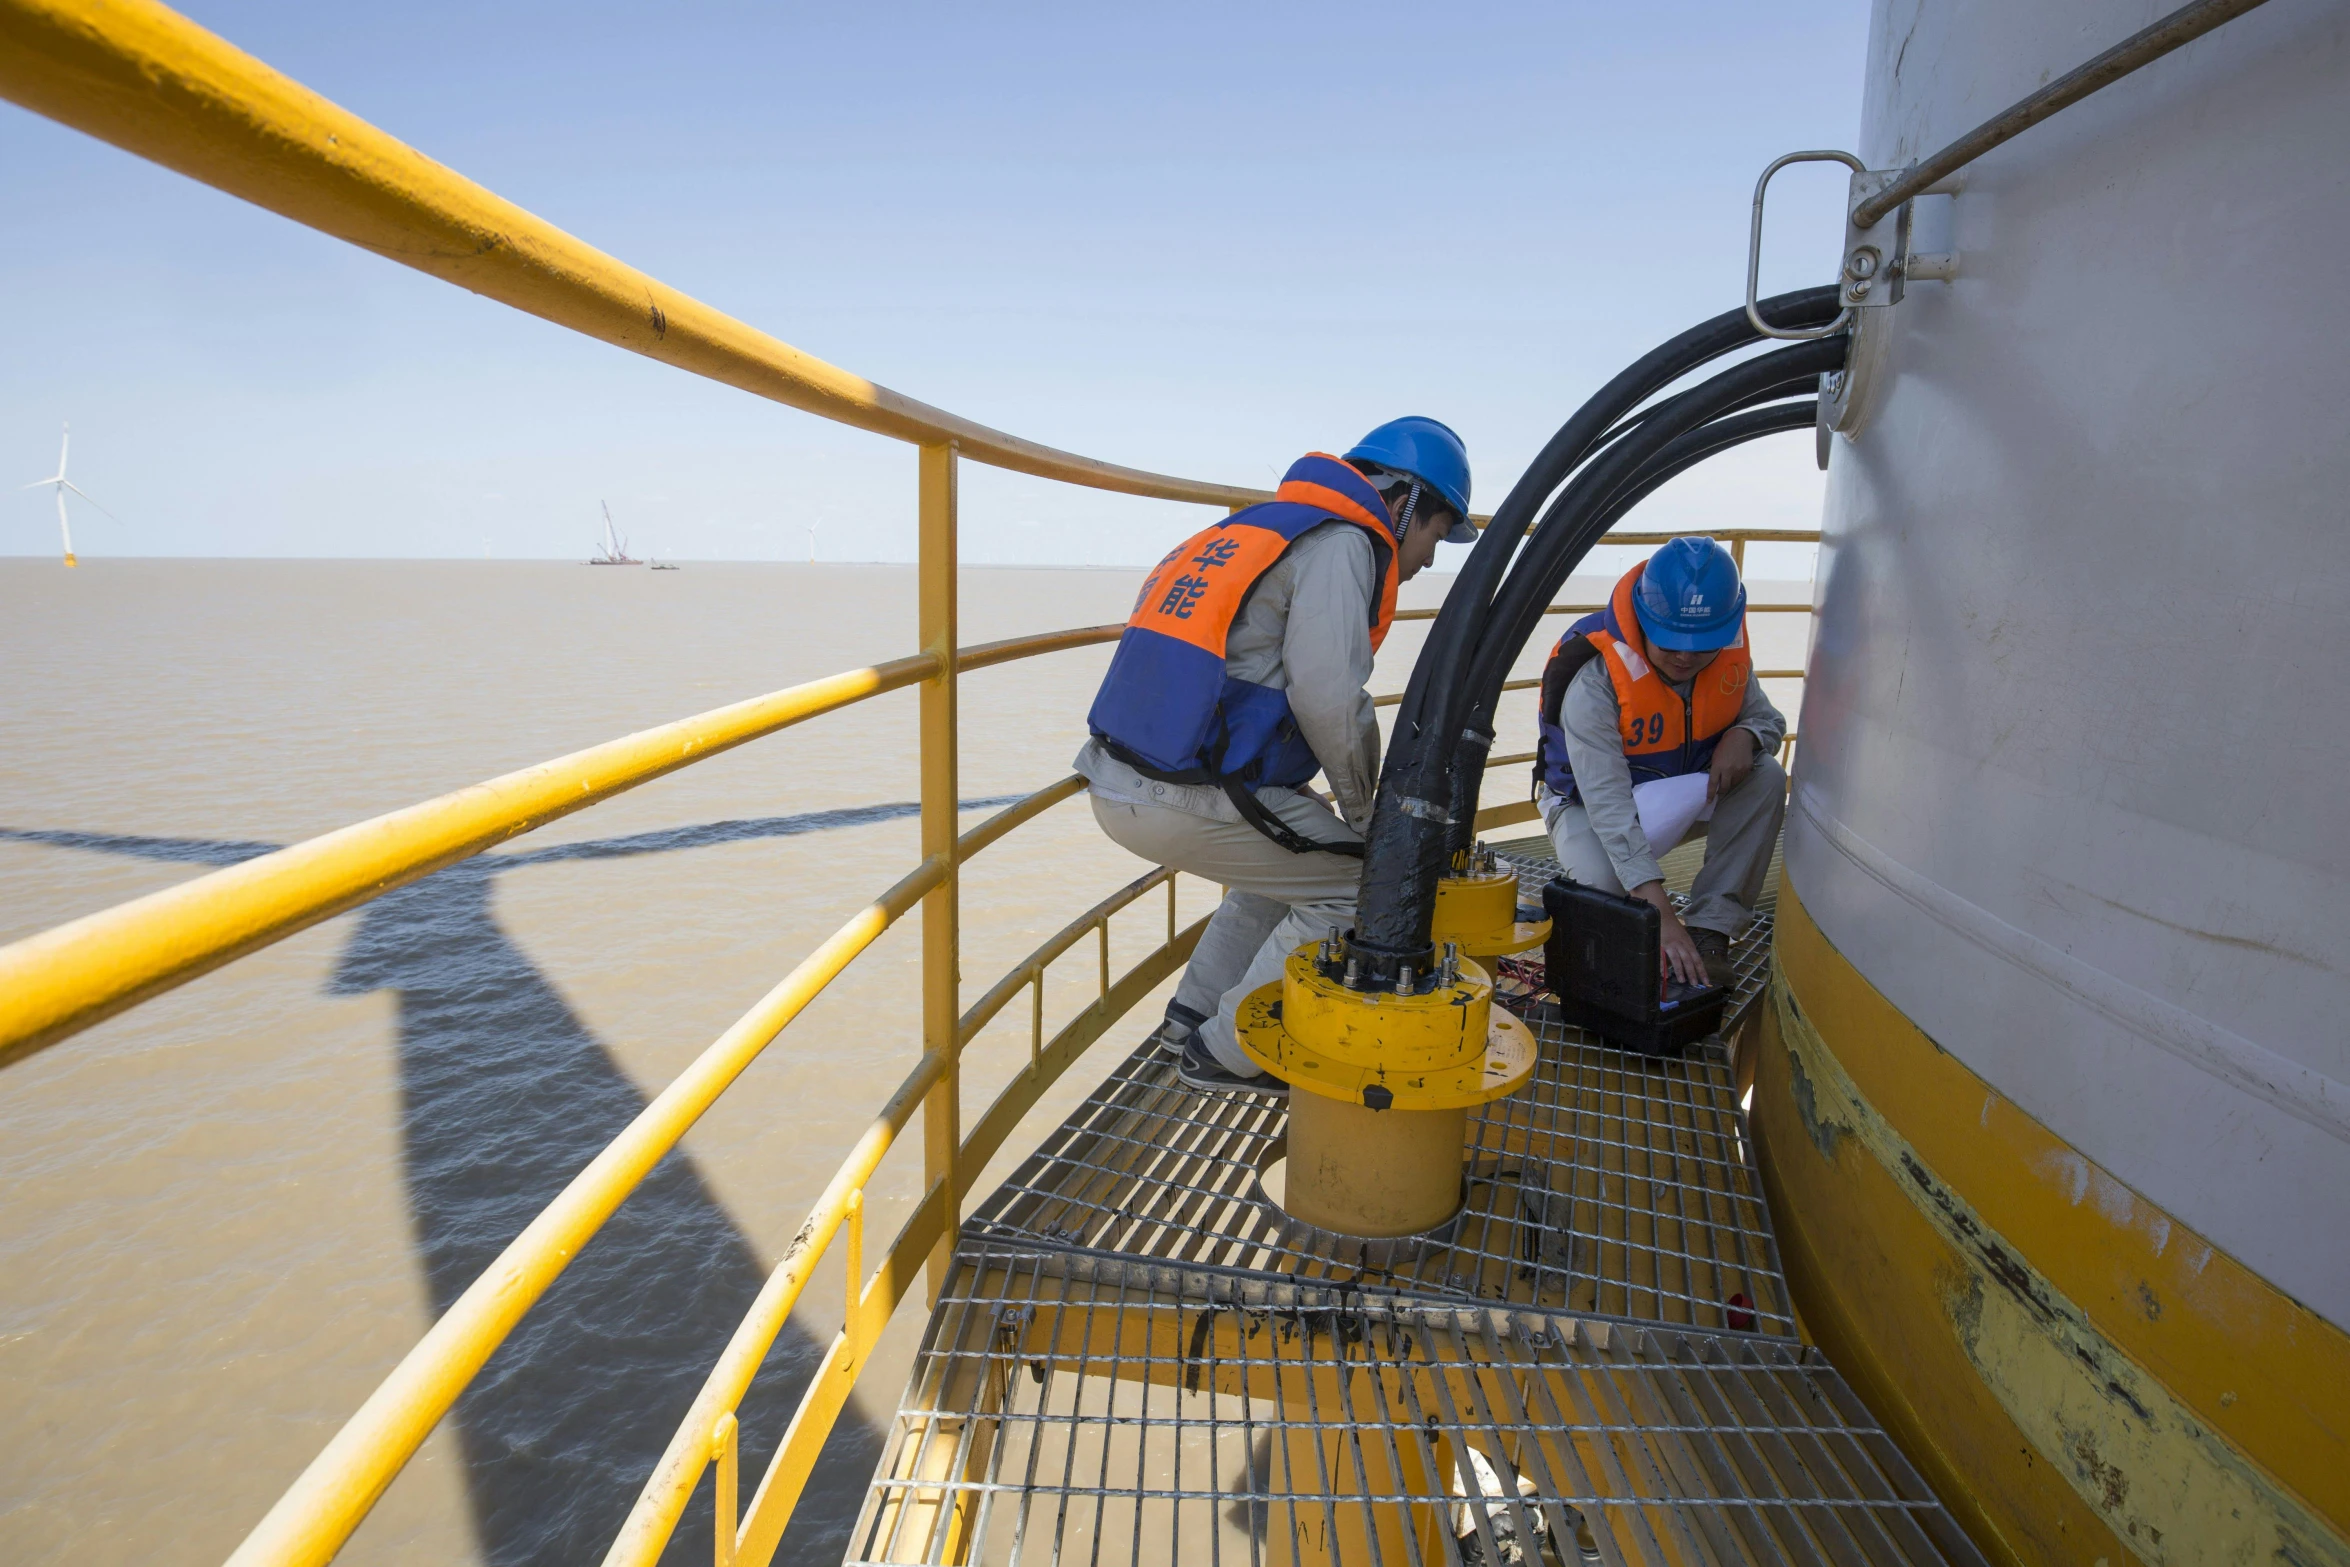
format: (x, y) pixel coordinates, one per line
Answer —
(229, 1212)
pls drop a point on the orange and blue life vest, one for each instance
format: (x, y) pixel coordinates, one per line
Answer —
(1169, 708)
(1664, 733)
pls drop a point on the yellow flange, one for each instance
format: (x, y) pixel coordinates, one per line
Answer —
(1445, 1050)
(1478, 912)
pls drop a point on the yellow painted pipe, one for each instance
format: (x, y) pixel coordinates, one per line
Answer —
(939, 760)
(663, 1500)
(1019, 814)
(318, 1512)
(63, 980)
(150, 81)
(1506, 815)
(1393, 698)
(1380, 1173)
(671, 1485)
(57, 983)
(986, 655)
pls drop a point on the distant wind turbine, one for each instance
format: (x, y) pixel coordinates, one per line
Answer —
(62, 484)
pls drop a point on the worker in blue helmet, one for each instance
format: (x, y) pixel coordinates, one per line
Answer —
(1410, 459)
(1239, 679)
(1653, 729)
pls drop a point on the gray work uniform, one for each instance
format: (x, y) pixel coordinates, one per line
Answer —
(1306, 630)
(1598, 835)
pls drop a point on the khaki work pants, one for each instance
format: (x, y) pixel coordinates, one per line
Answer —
(1738, 841)
(1277, 902)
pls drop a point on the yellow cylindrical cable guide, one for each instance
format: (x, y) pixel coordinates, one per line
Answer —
(1477, 909)
(1381, 1083)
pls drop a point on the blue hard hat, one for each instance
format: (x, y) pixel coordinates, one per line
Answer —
(1430, 453)
(1689, 598)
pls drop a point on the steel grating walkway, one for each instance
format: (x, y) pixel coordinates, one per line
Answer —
(1144, 1360)
(1196, 1418)
(1611, 1183)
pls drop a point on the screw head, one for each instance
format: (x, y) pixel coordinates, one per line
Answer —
(1862, 263)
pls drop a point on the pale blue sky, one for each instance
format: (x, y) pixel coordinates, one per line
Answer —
(1197, 239)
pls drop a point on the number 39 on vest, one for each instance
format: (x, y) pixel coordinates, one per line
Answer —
(1663, 735)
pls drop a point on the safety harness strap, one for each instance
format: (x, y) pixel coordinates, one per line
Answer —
(1236, 787)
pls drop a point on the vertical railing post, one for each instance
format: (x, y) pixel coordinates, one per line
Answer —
(942, 1114)
(726, 1523)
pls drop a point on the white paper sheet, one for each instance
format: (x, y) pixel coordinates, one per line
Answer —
(1669, 807)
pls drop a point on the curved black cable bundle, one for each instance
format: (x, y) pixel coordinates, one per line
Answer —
(1683, 452)
(1495, 605)
(1699, 424)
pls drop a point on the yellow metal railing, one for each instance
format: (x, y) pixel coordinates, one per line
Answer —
(314, 1517)
(150, 81)
(144, 78)
(706, 1434)
(57, 983)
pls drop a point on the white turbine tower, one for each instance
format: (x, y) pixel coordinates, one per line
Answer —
(62, 484)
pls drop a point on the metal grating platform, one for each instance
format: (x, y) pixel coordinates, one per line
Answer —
(1612, 1184)
(1143, 1360)
(1202, 1418)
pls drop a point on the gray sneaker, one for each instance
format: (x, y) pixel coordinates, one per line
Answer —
(1176, 1033)
(1203, 1073)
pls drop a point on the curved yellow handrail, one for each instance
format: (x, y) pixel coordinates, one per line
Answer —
(318, 1512)
(63, 980)
(150, 81)
(650, 1522)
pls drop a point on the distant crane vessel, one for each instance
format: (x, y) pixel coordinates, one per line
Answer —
(615, 548)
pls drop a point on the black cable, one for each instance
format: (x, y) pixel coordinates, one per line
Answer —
(1684, 452)
(1398, 894)
(1555, 549)
(1555, 552)
(1582, 514)
(1406, 845)
(1461, 617)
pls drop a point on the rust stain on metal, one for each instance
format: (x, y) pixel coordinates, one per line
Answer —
(2161, 1479)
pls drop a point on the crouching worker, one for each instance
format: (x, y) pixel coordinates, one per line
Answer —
(1239, 677)
(1654, 728)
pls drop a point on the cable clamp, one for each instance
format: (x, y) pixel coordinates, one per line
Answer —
(1425, 810)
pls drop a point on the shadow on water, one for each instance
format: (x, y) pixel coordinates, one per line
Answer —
(506, 1094)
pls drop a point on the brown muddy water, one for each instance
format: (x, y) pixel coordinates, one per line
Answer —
(229, 1212)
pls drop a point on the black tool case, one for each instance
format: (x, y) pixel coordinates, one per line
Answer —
(1605, 962)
